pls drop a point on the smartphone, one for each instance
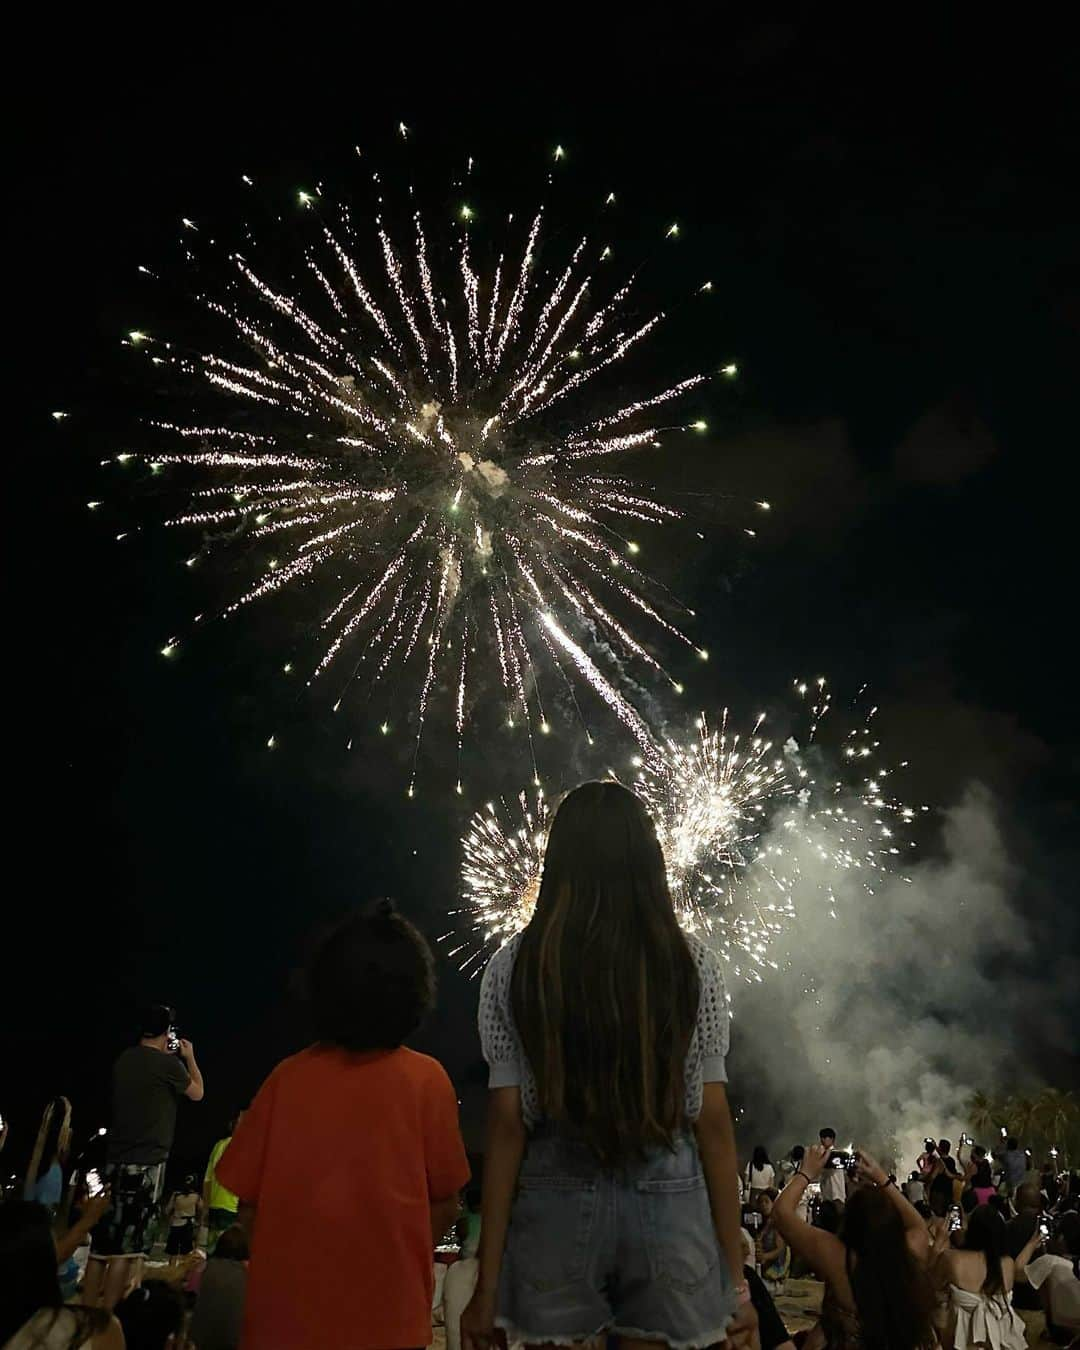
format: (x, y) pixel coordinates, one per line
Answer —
(842, 1159)
(955, 1218)
(1044, 1230)
(94, 1184)
(173, 1043)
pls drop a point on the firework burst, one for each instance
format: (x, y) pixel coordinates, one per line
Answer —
(738, 817)
(427, 452)
(503, 852)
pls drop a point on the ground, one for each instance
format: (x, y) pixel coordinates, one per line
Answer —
(799, 1305)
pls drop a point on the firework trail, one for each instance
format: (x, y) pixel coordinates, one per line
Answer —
(429, 456)
(734, 813)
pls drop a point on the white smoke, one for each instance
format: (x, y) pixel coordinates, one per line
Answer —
(493, 475)
(884, 1021)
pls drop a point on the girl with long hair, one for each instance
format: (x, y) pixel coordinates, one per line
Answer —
(878, 1295)
(45, 1173)
(978, 1279)
(610, 1199)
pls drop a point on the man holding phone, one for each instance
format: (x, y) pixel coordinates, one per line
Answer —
(833, 1179)
(148, 1081)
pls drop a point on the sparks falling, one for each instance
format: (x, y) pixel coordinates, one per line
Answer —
(734, 812)
(429, 453)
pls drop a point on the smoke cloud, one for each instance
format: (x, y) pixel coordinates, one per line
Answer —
(885, 1019)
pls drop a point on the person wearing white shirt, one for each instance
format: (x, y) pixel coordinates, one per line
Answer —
(760, 1175)
(1056, 1275)
(833, 1179)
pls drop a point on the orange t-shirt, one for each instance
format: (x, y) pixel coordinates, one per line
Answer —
(342, 1155)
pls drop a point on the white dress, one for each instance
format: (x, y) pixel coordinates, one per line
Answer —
(985, 1319)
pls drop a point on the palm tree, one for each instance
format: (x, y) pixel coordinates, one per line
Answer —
(1021, 1118)
(1057, 1114)
(986, 1114)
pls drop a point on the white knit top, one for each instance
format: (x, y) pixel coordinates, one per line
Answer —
(505, 1055)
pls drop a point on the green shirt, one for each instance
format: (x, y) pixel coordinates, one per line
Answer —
(217, 1196)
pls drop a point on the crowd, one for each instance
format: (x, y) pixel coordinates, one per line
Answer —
(338, 1213)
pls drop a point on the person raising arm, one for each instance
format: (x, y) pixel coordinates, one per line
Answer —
(194, 1090)
(876, 1287)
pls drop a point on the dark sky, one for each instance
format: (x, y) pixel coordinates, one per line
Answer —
(889, 221)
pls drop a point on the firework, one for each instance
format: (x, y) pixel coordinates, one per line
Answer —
(428, 455)
(738, 817)
(503, 852)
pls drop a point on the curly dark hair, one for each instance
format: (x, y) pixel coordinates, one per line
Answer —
(370, 980)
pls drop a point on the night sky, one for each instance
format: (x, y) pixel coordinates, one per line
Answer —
(889, 221)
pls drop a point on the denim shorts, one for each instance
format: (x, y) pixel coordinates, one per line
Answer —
(632, 1252)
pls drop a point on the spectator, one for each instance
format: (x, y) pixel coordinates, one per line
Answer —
(45, 1175)
(790, 1165)
(927, 1160)
(877, 1293)
(152, 1317)
(982, 1181)
(219, 1312)
(942, 1193)
(1029, 1211)
(605, 1029)
(760, 1175)
(1049, 1182)
(915, 1189)
(148, 1081)
(1056, 1276)
(350, 1158)
(460, 1280)
(771, 1330)
(1018, 1231)
(219, 1202)
(791, 1168)
(1016, 1165)
(1071, 1198)
(979, 1278)
(834, 1179)
(773, 1255)
(32, 1310)
(183, 1212)
(469, 1223)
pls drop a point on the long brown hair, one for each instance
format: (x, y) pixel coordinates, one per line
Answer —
(986, 1234)
(893, 1294)
(605, 988)
(53, 1139)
